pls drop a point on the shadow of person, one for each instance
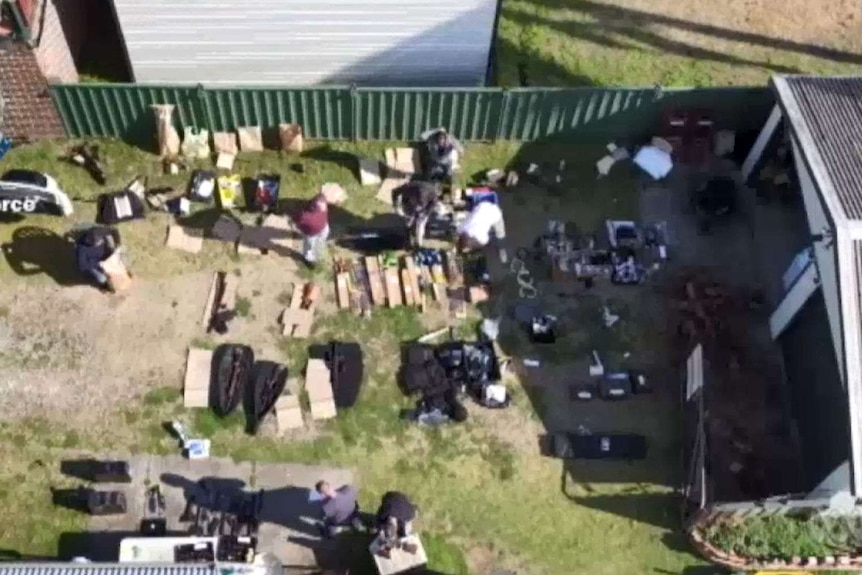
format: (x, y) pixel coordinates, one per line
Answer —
(346, 229)
(288, 507)
(36, 251)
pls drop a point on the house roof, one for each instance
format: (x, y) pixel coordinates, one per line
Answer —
(825, 118)
(832, 111)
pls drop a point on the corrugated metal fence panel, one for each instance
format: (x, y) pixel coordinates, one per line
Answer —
(534, 113)
(398, 114)
(123, 111)
(330, 113)
(323, 113)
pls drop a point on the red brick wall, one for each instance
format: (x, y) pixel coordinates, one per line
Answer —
(30, 113)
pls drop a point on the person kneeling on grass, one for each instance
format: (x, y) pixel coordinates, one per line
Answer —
(92, 248)
(484, 222)
(340, 508)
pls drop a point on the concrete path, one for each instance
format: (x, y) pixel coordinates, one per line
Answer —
(287, 520)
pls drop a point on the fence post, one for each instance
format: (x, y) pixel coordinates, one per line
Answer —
(354, 112)
(204, 101)
(504, 113)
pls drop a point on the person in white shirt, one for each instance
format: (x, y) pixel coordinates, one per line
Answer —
(485, 220)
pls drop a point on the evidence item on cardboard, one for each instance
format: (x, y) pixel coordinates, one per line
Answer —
(168, 138)
(229, 189)
(225, 143)
(195, 143)
(291, 137)
(202, 186)
(250, 139)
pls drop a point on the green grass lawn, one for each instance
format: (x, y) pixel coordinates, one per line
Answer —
(487, 496)
(671, 42)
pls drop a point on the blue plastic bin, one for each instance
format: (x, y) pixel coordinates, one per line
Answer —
(484, 196)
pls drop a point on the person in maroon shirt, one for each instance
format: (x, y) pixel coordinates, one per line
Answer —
(313, 224)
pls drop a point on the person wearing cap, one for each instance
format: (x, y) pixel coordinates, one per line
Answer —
(484, 222)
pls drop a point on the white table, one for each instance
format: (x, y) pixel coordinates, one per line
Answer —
(399, 560)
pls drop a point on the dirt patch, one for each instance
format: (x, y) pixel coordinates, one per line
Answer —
(67, 352)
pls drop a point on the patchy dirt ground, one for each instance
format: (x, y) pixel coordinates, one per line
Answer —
(78, 354)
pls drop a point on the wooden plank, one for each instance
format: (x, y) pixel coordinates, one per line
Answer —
(375, 283)
(208, 308)
(393, 287)
(342, 289)
(412, 273)
(297, 322)
(425, 273)
(406, 287)
(437, 274)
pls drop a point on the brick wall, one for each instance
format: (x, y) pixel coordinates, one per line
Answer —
(30, 113)
(52, 53)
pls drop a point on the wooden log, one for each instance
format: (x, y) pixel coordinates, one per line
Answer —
(375, 282)
(393, 287)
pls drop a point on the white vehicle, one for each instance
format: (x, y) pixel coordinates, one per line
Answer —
(29, 192)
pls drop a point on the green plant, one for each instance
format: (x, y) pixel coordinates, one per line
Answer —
(243, 307)
(765, 537)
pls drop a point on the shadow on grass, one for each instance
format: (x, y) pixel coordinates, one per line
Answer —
(609, 25)
(38, 251)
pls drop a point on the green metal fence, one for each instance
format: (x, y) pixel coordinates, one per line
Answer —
(341, 113)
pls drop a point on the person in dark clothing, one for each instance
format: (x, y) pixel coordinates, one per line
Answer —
(396, 509)
(340, 508)
(443, 152)
(416, 202)
(395, 523)
(92, 248)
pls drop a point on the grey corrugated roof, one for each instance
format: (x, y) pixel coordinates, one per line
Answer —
(104, 569)
(832, 111)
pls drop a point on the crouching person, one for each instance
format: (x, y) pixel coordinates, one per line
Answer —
(416, 202)
(92, 248)
(443, 153)
(484, 222)
(395, 523)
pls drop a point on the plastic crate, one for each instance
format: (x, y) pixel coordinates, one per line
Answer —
(479, 195)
